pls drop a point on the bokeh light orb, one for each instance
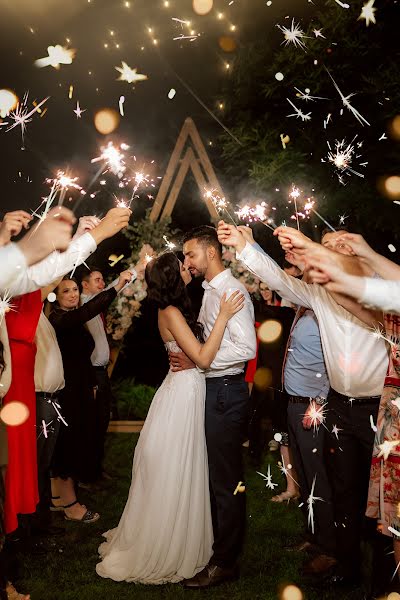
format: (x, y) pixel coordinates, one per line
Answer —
(263, 378)
(393, 596)
(14, 413)
(269, 331)
(8, 101)
(279, 76)
(394, 128)
(106, 120)
(202, 7)
(291, 592)
(227, 43)
(390, 186)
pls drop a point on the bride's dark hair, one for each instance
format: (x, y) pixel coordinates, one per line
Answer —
(166, 288)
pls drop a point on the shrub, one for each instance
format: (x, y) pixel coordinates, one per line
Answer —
(133, 400)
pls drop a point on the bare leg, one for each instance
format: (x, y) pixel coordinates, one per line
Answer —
(65, 489)
(292, 488)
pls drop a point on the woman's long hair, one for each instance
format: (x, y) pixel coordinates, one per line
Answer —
(166, 288)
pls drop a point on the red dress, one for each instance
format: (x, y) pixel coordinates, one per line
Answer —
(21, 477)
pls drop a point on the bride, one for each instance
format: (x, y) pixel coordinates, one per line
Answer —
(165, 532)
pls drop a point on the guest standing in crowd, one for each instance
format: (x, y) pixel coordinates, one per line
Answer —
(75, 456)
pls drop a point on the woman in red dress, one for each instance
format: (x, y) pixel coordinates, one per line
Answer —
(21, 476)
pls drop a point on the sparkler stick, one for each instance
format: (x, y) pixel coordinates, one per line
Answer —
(309, 206)
(220, 204)
(295, 193)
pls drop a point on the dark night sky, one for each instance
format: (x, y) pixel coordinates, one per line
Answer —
(152, 121)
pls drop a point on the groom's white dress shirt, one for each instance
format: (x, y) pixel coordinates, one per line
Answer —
(239, 342)
(356, 361)
(382, 294)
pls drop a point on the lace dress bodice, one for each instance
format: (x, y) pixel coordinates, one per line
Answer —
(172, 346)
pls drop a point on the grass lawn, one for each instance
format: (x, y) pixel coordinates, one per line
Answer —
(67, 572)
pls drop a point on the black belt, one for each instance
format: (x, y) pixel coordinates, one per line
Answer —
(226, 378)
(350, 399)
(298, 399)
(99, 368)
(52, 396)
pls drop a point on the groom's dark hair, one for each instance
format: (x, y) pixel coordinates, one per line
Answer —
(205, 235)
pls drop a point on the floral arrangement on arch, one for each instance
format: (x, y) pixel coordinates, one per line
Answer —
(251, 283)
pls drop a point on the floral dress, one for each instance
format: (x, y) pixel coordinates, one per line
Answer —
(384, 485)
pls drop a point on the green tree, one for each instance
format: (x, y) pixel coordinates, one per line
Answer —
(363, 61)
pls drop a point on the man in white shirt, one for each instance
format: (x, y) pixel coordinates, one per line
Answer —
(227, 402)
(356, 363)
(93, 283)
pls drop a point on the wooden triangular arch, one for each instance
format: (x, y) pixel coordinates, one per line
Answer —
(195, 158)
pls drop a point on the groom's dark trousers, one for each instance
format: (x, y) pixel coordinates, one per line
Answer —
(227, 407)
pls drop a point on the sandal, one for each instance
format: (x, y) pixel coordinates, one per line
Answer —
(285, 496)
(88, 517)
(12, 593)
(54, 507)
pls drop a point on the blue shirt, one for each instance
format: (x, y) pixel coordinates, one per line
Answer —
(305, 373)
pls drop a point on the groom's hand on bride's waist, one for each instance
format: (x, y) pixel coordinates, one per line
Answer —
(179, 361)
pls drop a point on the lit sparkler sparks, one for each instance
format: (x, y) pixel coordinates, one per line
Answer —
(346, 102)
(386, 448)
(22, 115)
(78, 110)
(148, 258)
(317, 414)
(5, 305)
(343, 156)
(114, 159)
(268, 479)
(317, 33)
(310, 504)
(285, 470)
(294, 194)
(378, 333)
(335, 431)
(294, 35)
(128, 74)
(220, 204)
(368, 13)
(342, 4)
(254, 214)
(309, 206)
(57, 55)
(121, 203)
(169, 245)
(306, 95)
(299, 113)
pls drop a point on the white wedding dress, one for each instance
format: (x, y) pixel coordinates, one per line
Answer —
(165, 532)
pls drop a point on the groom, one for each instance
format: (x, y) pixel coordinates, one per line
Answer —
(226, 409)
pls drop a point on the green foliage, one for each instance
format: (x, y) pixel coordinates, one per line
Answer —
(133, 400)
(363, 61)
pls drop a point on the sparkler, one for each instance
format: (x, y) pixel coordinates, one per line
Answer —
(121, 105)
(346, 102)
(5, 305)
(299, 113)
(220, 204)
(343, 156)
(294, 35)
(310, 504)
(295, 193)
(114, 159)
(317, 414)
(306, 95)
(378, 334)
(342, 4)
(128, 74)
(169, 245)
(368, 13)
(309, 206)
(268, 479)
(386, 448)
(335, 431)
(317, 33)
(256, 214)
(285, 470)
(22, 115)
(57, 55)
(78, 110)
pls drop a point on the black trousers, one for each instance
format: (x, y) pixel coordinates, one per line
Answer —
(104, 399)
(46, 412)
(307, 448)
(226, 418)
(349, 462)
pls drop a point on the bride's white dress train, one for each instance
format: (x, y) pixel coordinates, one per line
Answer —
(165, 532)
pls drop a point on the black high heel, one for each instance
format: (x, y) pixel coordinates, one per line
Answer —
(55, 508)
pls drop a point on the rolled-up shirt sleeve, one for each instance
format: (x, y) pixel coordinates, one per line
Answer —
(56, 265)
(263, 267)
(242, 344)
(383, 294)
